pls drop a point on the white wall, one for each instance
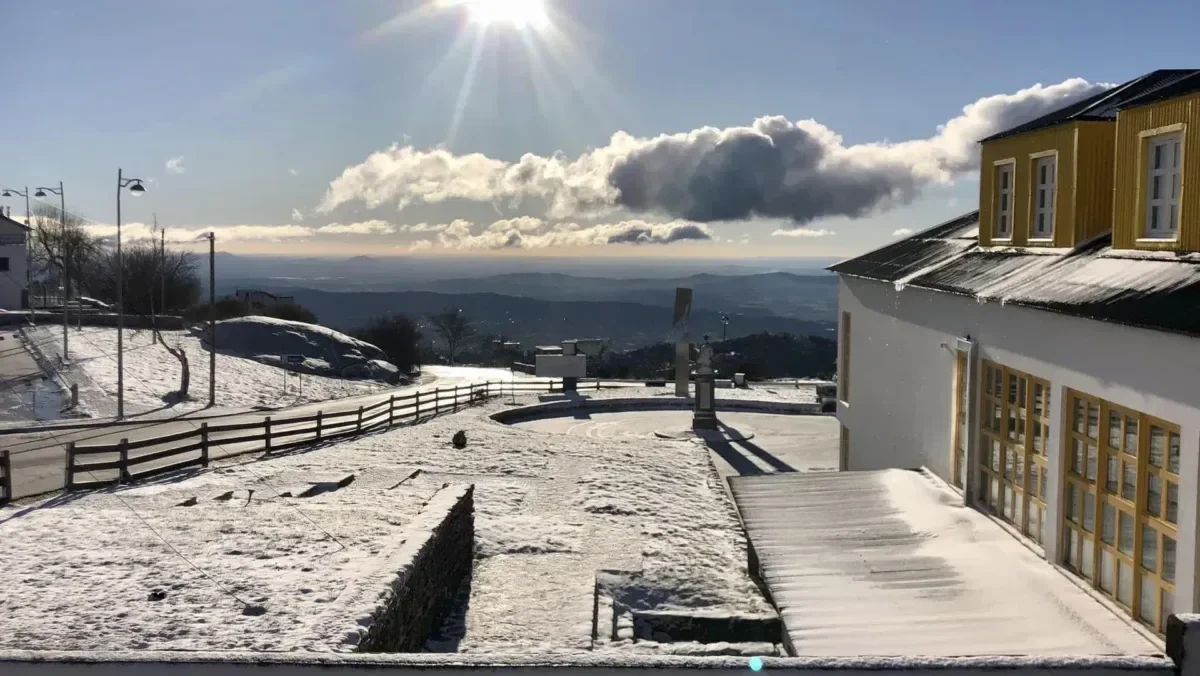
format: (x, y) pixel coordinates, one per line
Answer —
(899, 412)
(13, 281)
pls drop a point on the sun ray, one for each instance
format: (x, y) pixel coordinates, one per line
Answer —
(464, 90)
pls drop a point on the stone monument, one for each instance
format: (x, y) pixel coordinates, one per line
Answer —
(705, 415)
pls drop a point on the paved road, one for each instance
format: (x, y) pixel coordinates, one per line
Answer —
(39, 459)
(25, 393)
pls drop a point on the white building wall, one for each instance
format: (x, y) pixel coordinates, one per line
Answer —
(900, 404)
(13, 281)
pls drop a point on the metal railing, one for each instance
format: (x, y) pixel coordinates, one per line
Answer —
(128, 461)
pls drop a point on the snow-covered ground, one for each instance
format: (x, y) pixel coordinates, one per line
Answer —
(551, 510)
(151, 373)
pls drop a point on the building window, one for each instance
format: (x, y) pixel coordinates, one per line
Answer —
(1163, 157)
(4, 264)
(844, 359)
(1015, 429)
(1004, 197)
(961, 403)
(1043, 204)
(1121, 507)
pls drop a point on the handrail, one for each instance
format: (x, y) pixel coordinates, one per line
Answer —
(320, 427)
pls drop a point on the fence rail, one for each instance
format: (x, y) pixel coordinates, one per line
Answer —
(121, 463)
(6, 482)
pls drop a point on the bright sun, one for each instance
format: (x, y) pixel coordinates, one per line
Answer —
(517, 13)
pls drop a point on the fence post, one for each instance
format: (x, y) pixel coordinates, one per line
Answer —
(204, 444)
(454, 406)
(417, 406)
(6, 480)
(391, 410)
(360, 410)
(437, 400)
(267, 432)
(69, 483)
(122, 448)
(318, 425)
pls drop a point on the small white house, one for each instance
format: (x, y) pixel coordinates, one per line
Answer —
(1042, 354)
(14, 263)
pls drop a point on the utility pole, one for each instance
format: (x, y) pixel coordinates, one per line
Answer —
(212, 319)
(162, 272)
(135, 188)
(65, 252)
(153, 319)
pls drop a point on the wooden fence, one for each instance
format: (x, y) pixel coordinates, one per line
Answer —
(128, 461)
(6, 483)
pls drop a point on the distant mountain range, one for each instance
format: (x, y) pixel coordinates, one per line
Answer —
(536, 321)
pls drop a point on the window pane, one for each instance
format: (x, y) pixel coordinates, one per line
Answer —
(1125, 533)
(1042, 486)
(1129, 482)
(1012, 388)
(1041, 205)
(1069, 546)
(994, 495)
(1093, 429)
(1010, 501)
(1091, 463)
(1173, 453)
(1089, 512)
(1168, 608)
(1124, 583)
(1158, 444)
(1153, 495)
(1108, 570)
(1108, 524)
(1031, 529)
(1154, 218)
(1172, 502)
(983, 487)
(1113, 478)
(1078, 415)
(1072, 503)
(1009, 460)
(1156, 187)
(1149, 548)
(1019, 469)
(1149, 598)
(1158, 156)
(1131, 435)
(1021, 428)
(1042, 174)
(995, 453)
(1168, 572)
(1011, 427)
(1172, 224)
(1038, 447)
(1114, 429)
(1175, 155)
(1003, 179)
(1077, 458)
(1033, 480)
(1003, 204)
(1088, 558)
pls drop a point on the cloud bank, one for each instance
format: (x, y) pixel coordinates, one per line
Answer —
(532, 233)
(798, 171)
(175, 165)
(131, 232)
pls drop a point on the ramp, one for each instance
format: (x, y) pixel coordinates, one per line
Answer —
(890, 563)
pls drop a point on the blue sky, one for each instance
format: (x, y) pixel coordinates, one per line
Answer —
(269, 101)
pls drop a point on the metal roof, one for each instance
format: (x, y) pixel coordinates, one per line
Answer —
(1154, 86)
(1159, 291)
(890, 563)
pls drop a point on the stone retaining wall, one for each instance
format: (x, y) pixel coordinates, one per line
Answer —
(163, 322)
(396, 608)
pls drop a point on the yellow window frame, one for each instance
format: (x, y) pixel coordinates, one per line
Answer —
(1130, 498)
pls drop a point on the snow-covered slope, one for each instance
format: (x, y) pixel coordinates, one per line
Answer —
(151, 373)
(327, 352)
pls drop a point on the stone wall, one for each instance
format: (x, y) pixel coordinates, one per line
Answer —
(423, 591)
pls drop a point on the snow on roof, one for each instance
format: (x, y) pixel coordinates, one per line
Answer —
(894, 556)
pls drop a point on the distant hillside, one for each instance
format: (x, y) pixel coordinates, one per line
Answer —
(535, 321)
(759, 356)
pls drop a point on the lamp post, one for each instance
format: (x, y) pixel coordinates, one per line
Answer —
(135, 188)
(212, 317)
(62, 221)
(28, 253)
(724, 325)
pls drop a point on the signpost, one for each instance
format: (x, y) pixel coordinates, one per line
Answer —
(293, 359)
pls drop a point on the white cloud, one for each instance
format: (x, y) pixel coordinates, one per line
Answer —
(431, 227)
(293, 172)
(175, 165)
(803, 232)
(802, 171)
(143, 231)
(373, 227)
(296, 215)
(420, 244)
(526, 234)
(902, 232)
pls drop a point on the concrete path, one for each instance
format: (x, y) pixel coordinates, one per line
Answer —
(26, 395)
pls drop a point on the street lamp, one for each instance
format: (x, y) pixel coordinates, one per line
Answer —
(135, 188)
(724, 325)
(62, 221)
(212, 316)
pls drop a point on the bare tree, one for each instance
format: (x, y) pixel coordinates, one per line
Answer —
(60, 238)
(454, 327)
(185, 373)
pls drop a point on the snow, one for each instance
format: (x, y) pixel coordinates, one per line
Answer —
(152, 373)
(551, 510)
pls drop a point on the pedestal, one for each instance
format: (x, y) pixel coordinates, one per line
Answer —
(705, 415)
(570, 384)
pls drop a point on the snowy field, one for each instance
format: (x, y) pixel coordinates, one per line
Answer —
(551, 510)
(151, 373)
